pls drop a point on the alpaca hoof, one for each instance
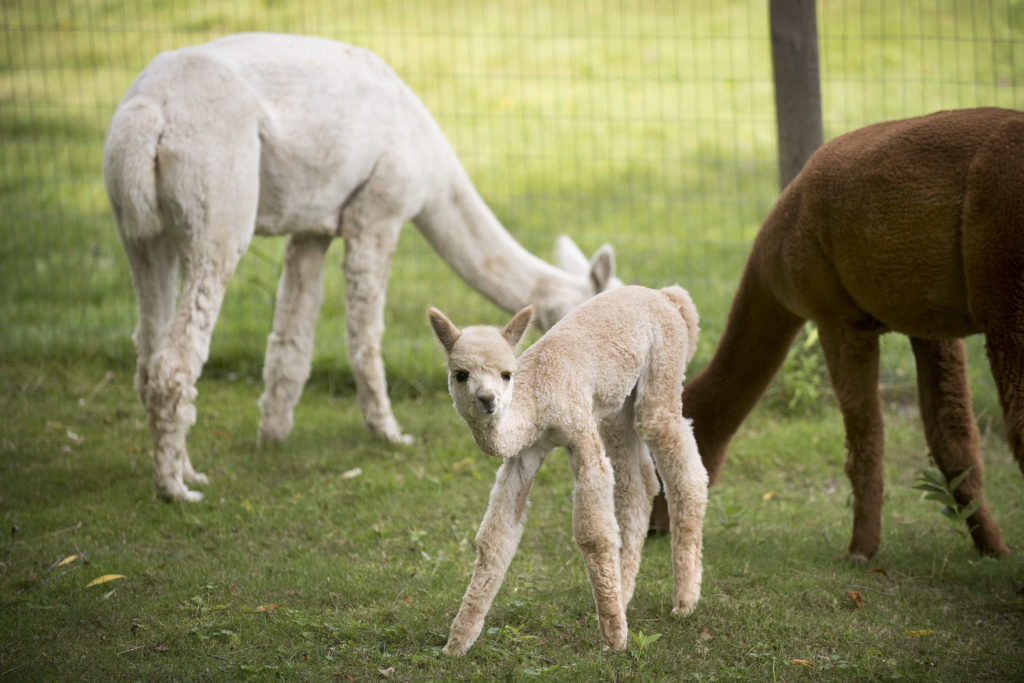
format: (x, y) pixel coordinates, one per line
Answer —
(1001, 551)
(684, 609)
(857, 557)
(176, 491)
(403, 440)
(393, 433)
(614, 632)
(992, 550)
(273, 429)
(618, 644)
(453, 649)
(193, 496)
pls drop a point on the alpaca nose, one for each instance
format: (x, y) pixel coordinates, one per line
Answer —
(487, 402)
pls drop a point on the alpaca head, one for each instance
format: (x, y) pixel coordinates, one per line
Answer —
(554, 300)
(481, 364)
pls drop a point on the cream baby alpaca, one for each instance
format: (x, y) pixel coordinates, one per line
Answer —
(605, 383)
(263, 134)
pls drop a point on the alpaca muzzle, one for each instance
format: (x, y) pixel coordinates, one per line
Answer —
(487, 403)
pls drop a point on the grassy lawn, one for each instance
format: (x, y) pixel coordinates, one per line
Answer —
(337, 556)
(649, 125)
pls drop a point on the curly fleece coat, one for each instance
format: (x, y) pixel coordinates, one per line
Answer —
(604, 383)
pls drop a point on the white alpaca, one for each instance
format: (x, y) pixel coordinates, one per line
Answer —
(271, 135)
(603, 382)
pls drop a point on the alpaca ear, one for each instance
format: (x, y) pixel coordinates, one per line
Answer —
(570, 258)
(602, 268)
(515, 330)
(444, 328)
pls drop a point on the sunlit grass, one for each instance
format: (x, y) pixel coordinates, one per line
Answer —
(335, 555)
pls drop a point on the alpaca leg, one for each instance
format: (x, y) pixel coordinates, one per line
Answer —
(290, 346)
(633, 511)
(1006, 356)
(207, 187)
(852, 360)
(659, 422)
(368, 251)
(211, 239)
(496, 543)
(671, 440)
(950, 430)
(175, 367)
(597, 535)
(154, 268)
(635, 486)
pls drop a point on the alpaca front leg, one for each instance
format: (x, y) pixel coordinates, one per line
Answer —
(496, 544)
(290, 346)
(597, 535)
(852, 361)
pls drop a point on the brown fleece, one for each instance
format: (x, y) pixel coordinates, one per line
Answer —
(913, 226)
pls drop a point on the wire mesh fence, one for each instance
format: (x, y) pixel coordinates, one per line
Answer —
(648, 125)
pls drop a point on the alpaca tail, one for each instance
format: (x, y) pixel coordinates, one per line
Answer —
(680, 298)
(129, 167)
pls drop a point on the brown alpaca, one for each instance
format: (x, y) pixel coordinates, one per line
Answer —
(913, 226)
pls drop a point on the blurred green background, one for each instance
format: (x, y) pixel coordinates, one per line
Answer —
(648, 125)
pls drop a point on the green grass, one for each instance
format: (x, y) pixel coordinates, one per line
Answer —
(649, 125)
(294, 568)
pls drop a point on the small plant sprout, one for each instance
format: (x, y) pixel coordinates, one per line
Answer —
(937, 488)
(728, 514)
(643, 643)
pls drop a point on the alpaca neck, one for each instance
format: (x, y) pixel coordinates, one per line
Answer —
(757, 336)
(508, 435)
(466, 234)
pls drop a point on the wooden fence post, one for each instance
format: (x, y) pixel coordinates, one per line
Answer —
(794, 35)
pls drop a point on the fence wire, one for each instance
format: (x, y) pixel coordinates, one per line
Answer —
(648, 125)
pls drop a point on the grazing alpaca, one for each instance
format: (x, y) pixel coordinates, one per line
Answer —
(603, 383)
(272, 135)
(914, 226)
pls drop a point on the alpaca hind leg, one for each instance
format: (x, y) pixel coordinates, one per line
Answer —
(670, 438)
(635, 486)
(290, 346)
(950, 430)
(852, 360)
(213, 242)
(1006, 357)
(597, 534)
(368, 251)
(154, 268)
(659, 422)
(175, 367)
(207, 184)
(496, 543)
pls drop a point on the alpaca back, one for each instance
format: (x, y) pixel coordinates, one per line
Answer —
(595, 355)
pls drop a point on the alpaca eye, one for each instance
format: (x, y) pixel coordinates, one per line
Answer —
(507, 376)
(461, 376)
